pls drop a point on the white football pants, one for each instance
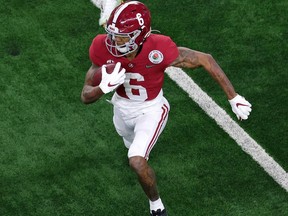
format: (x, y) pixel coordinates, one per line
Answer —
(140, 124)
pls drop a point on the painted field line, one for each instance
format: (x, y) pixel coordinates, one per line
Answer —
(248, 145)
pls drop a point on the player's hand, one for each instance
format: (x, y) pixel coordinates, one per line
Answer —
(240, 107)
(111, 81)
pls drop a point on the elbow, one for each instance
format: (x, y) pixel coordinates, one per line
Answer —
(87, 100)
(91, 96)
(209, 61)
(209, 57)
(84, 99)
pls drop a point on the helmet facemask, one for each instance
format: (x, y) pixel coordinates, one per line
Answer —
(122, 49)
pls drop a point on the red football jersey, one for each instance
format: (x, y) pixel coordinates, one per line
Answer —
(145, 73)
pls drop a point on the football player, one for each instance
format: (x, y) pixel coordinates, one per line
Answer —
(140, 109)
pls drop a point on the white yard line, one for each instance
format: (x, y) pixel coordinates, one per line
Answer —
(243, 139)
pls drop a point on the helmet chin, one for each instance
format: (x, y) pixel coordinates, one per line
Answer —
(123, 48)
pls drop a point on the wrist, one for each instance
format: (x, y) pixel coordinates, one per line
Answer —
(103, 89)
(232, 96)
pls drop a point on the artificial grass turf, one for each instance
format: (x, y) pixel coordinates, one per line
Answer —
(60, 157)
(248, 39)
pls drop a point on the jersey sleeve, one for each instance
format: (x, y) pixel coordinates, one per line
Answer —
(92, 52)
(170, 50)
(95, 50)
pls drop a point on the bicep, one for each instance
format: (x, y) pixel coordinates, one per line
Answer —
(90, 93)
(90, 74)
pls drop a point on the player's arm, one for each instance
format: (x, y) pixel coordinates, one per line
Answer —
(90, 93)
(109, 82)
(192, 59)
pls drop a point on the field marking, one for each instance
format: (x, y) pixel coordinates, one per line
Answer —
(248, 144)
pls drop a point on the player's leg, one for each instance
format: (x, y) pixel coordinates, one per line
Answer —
(106, 7)
(147, 180)
(147, 130)
(123, 129)
(146, 175)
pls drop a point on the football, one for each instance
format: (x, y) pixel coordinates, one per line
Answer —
(98, 74)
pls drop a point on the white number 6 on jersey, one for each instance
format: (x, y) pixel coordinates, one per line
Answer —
(131, 89)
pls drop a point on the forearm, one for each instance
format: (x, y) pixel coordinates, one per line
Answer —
(192, 59)
(217, 73)
(91, 94)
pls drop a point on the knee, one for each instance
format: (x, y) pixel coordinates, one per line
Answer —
(138, 164)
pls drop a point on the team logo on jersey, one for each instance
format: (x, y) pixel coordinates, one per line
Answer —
(110, 61)
(155, 56)
(130, 65)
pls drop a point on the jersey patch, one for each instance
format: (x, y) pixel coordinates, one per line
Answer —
(155, 56)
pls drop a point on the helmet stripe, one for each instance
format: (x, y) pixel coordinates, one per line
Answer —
(119, 11)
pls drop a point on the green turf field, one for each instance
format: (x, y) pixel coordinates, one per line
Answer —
(61, 157)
